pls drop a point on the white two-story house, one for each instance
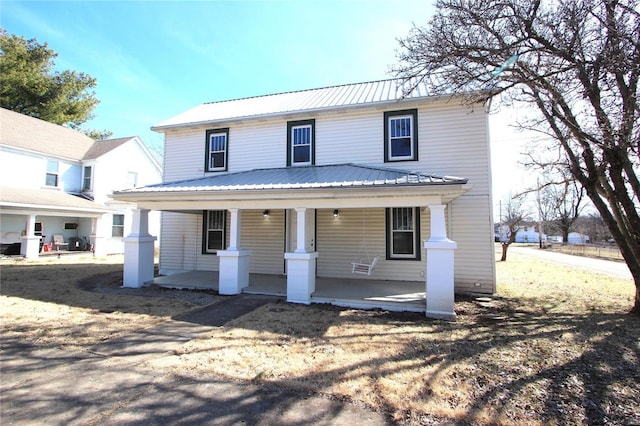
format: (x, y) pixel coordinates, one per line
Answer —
(359, 183)
(54, 187)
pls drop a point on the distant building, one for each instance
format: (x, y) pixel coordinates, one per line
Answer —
(55, 186)
(528, 234)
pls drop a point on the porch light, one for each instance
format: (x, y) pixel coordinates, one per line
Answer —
(336, 213)
(266, 213)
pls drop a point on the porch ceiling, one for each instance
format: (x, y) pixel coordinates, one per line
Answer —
(335, 186)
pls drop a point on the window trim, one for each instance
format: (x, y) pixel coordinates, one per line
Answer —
(388, 116)
(207, 158)
(312, 145)
(205, 232)
(417, 255)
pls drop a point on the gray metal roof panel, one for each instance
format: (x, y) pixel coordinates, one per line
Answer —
(309, 177)
(357, 94)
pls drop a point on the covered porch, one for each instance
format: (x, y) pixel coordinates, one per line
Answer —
(400, 296)
(304, 191)
(47, 221)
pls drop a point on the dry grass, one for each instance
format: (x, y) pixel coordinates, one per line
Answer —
(555, 347)
(41, 300)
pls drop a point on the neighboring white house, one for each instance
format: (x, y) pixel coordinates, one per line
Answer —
(529, 234)
(572, 238)
(302, 183)
(55, 181)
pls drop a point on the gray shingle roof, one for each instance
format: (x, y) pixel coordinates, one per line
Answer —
(309, 177)
(100, 148)
(32, 134)
(334, 97)
(47, 198)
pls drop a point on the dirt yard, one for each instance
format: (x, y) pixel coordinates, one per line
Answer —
(555, 346)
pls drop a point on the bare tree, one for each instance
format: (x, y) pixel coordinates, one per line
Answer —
(577, 62)
(510, 222)
(563, 198)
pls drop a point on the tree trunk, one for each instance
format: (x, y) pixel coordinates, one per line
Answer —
(505, 246)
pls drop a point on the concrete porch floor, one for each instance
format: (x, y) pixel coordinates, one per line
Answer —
(350, 292)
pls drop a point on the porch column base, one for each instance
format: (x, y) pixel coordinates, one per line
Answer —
(301, 276)
(439, 279)
(30, 247)
(234, 271)
(138, 260)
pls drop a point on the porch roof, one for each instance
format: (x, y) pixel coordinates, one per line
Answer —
(49, 202)
(293, 184)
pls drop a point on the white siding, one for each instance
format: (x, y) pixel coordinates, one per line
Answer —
(360, 234)
(184, 155)
(472, 229)
(350, 138)
(258, 147)
(26, 170)
(265, 238)
(181, 243)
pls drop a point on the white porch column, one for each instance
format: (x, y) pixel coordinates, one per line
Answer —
(301, 265)
(138, 251)
(440, 272)
(100, 226)
(234, 261)
(30, 243)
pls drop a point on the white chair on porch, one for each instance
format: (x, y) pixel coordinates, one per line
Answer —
(58, 241)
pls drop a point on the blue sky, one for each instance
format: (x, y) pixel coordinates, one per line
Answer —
(155, 59)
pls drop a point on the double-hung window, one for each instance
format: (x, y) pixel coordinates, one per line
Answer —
(217, 150)
(403, 233)
(117, 228)
(52, 173)
(300, 143)
(401, 135)
(214, 230)
(86, 178)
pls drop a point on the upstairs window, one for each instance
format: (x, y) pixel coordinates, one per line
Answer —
(300, 143)
(403, 233)
(214, 228)
(86, 178)
(401, 135)
(52, 173)
(217, 149)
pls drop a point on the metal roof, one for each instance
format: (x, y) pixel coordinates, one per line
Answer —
(334, 97)
(308, 177)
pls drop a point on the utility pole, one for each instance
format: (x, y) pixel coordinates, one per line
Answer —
(539, 215)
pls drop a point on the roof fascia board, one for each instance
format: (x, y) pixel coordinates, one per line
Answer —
(408, 196)
(148, 153)
(40, 154)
